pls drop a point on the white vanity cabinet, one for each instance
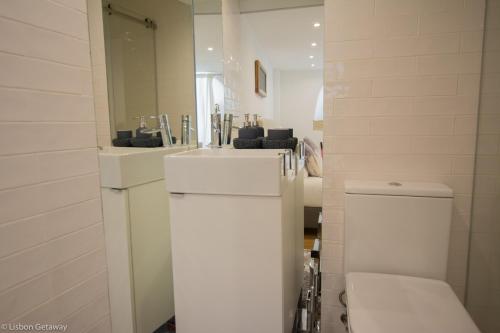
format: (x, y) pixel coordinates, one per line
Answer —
(137, 236)
(237, 240)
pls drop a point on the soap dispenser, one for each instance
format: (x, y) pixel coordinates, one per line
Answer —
(139, 132)
(256, 125)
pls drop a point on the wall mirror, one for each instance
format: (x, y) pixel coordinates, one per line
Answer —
(149, 64)
(209, 54)
(285, 39)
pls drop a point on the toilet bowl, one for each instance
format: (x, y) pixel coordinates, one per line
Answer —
(395, 259)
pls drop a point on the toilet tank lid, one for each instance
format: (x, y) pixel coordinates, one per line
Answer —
(411, 189)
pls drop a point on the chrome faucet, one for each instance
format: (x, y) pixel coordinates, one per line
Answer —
(186, 129)
(216, 128)
(164, 130)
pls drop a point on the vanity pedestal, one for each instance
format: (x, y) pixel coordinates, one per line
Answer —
(137, 234)
(237, 240)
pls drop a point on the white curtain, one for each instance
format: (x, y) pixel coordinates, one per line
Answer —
(318, 110)
(209, 92)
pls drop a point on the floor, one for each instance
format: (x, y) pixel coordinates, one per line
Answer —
(309, 236)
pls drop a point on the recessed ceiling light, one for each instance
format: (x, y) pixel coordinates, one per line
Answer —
(311, 57)
(210, 49)
(313, 65)
(314, 44)
(316, 24)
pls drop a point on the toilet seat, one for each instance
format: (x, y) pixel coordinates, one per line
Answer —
(386, 303)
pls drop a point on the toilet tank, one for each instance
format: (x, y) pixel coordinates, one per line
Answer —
(397, 228)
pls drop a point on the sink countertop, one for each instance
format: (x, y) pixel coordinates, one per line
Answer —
(123, 167)
(226, 171)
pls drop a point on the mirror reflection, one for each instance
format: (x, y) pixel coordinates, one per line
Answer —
(149, 67)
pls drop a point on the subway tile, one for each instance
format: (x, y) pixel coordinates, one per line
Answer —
(445, 105)
(393, 163)
(85, 318)
(449, 64)
(348, 89)
(443, 145)
(333, 281)
(396, 7)
(436, 86)
(76, 271)
(69, 302)
(28, 201)
(354, 27)
(370, 144)
(41, 289)
(354, 49)
(412, 126)
(363, 69)
(28, 264)
(35, 230)
(30, 169)
(358, 107)
(44, 75)
(351, 126)
(26, 105)
(457, 19)
(433, 6)
(103, 326)
(30, 41)
(390, 87)
(395, 25)
(415, 86)
(80, 5)
(39, 137)
(23, 298)
(422, 45)
(48, 15)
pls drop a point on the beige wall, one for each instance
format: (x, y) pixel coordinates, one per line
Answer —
(52, 260)
(483, 285)
(401, 90)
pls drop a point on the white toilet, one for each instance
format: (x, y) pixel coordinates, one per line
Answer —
(396, 250)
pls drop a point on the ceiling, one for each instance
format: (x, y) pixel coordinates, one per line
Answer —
(285, 36)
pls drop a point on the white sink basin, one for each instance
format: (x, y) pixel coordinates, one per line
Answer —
(226, 171)
(123, 167)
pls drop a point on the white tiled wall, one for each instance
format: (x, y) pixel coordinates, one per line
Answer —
(402, 82)
(52, 260)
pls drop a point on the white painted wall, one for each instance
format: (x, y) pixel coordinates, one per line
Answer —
(52, 258)
(251, 51)
(298, 94)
